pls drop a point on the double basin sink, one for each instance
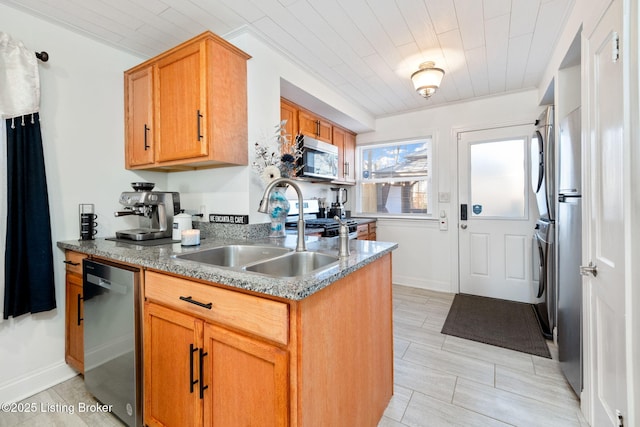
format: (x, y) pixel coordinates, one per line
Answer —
(269, 260)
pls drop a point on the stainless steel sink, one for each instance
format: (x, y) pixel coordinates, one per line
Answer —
(294, 264)
(234, 255)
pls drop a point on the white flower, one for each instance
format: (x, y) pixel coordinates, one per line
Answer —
(277, 151)
(270, 173)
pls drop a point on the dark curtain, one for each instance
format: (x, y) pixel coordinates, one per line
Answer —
(29, 281)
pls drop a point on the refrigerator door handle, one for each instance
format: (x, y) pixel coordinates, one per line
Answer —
(562, 198)
(542, 270)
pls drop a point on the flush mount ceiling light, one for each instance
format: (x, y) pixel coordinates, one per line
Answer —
(427, 79)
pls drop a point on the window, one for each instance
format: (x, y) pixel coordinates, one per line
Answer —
(395, 178)
(498, 165)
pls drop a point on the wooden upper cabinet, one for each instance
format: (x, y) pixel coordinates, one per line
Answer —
(289, 112)
(346, 143)
(307, 123)
(179, 108)
(349, 157)
(339, 136)
(315, 126)
(189, 105)
(139, 117)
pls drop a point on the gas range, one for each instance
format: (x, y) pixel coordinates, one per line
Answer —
(327, 226)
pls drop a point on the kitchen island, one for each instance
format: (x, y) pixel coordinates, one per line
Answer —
(310, 350)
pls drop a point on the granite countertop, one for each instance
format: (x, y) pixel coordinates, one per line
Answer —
(363, 220)
(160, 258)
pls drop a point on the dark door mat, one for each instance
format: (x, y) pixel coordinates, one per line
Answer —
(502, 323)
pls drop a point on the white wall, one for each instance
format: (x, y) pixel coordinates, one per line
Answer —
(82, 124)
(427, 257)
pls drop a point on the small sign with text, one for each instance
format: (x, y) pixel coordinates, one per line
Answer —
(229, 219)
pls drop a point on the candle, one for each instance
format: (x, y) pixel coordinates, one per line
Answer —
(190, 237)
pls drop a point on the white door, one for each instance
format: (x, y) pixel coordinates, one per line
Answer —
(604, 224)
(496, 239)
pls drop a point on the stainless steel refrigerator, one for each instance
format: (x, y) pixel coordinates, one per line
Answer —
(569, 246)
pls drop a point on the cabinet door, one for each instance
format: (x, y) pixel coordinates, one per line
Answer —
(314, 126)
(139, 118)
(349, 157)
(346, 143)
(74, 336)
(363, 232)
(338, 140)
(180, 106)
(172, 344)
(289, 113)
(248, 381)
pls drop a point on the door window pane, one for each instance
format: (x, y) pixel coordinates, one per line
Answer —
(498, 179)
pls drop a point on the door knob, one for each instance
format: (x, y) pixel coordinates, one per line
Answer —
(463, 226)
(589, 269)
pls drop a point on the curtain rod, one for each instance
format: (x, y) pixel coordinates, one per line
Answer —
(42, 56)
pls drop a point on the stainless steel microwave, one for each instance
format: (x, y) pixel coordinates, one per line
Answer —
(319, 159)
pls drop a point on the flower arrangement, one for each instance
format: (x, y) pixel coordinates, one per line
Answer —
(277, 156)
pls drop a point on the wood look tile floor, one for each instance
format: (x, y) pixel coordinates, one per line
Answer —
(439, 380)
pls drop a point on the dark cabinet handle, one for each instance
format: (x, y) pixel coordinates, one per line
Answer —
(80, 319)
(71, 263)
(199, 130)
(202, 386)
(146, 130)
(317, 127)
(192, 382)
(198, 303)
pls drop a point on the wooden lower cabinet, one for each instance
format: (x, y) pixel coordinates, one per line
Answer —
(74, 329)
(367, 231)
(197, 373)
(171, 344)
(249, 381)
(215, 364)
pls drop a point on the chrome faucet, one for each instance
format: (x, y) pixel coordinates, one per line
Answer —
(264, 206)
(343, 235)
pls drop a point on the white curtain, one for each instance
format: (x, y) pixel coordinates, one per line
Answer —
(19, 79)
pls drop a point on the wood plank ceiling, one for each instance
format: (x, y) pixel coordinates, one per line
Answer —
(365, 49)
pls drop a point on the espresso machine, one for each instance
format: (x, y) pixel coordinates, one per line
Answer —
(337, 207)
(156, 207)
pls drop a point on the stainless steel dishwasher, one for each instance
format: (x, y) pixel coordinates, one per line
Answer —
(112, 341)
